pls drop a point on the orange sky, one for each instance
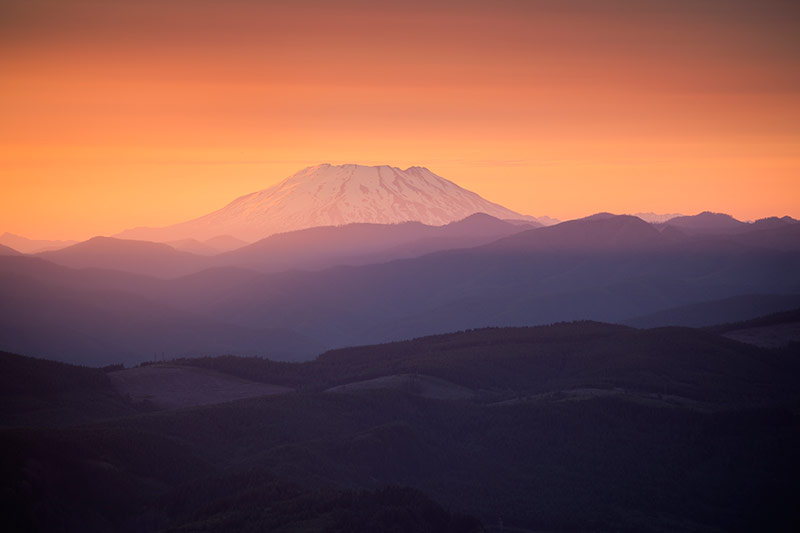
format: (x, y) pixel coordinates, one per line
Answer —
(118, 113)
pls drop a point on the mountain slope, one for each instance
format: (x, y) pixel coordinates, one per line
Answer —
(570, 427)
(7, 250)
(602, 232)
(656, 218)
(103, 317)
(328, 195)
(311, 248)
(354, 244)
(607, 269)
(736, 308)
(707, 222)
(140, 257)
(36, 392)
(32, 246)
(215, 245)
(771, 331)
(773, 222)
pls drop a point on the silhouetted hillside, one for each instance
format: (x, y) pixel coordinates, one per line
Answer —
(609, 269)
(778, 330)
(312, 248)
(580, 426)
(139, 257)
(603, 232)
(707, 222)
(31, 246)
(36, 392)
(357, 244)
(785, 237)
(80, 317)
(734, 309)
(773, 222)
(225, 243)
(5, 250)
(545, 359)
(772, 319)
(192, 246)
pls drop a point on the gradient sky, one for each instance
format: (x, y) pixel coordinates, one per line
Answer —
(116, 114)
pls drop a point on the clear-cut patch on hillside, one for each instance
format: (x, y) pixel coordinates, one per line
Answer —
(174, 387)
(419, 385)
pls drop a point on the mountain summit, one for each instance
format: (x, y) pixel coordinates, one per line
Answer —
(332, 195)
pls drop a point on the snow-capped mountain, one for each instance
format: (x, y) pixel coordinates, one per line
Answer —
(331, 195)
(657, 218)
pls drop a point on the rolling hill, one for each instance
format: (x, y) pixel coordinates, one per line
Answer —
(6, 250)
(733, 309)
(355, 244)
(141, 257)
(580, 426)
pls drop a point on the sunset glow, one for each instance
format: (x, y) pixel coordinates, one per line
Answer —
(118, 114)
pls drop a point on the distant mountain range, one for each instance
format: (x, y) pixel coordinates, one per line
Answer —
(312, 248)
(362, 243)
(331, 195)
(5, 250)
(31, 246)
(353, 254)
(291, 295)
(655, 218)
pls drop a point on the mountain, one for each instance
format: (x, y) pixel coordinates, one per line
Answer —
(192, 246)
(102, 317)
(7, 250)
(329, 195)
(773, 222)
(213, 246)
(779, 237)
(225, 243)
(655, 218)
(608, 269)
(733, 309)
(547, 221)
(571, 427)
(32, 246)
(356, 244)
(312, 248)
(601, 232)
(57, 394)
(776, 330)
(707, 222)
(141, 257)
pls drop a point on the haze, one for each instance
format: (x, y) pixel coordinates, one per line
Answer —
(117, 114)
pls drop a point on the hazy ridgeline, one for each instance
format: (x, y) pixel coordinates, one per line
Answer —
(285, 298)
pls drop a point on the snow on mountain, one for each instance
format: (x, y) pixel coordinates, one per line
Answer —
(656, 218)
(331, 195)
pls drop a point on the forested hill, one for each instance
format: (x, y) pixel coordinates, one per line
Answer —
(686, 362)
(576, 426)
